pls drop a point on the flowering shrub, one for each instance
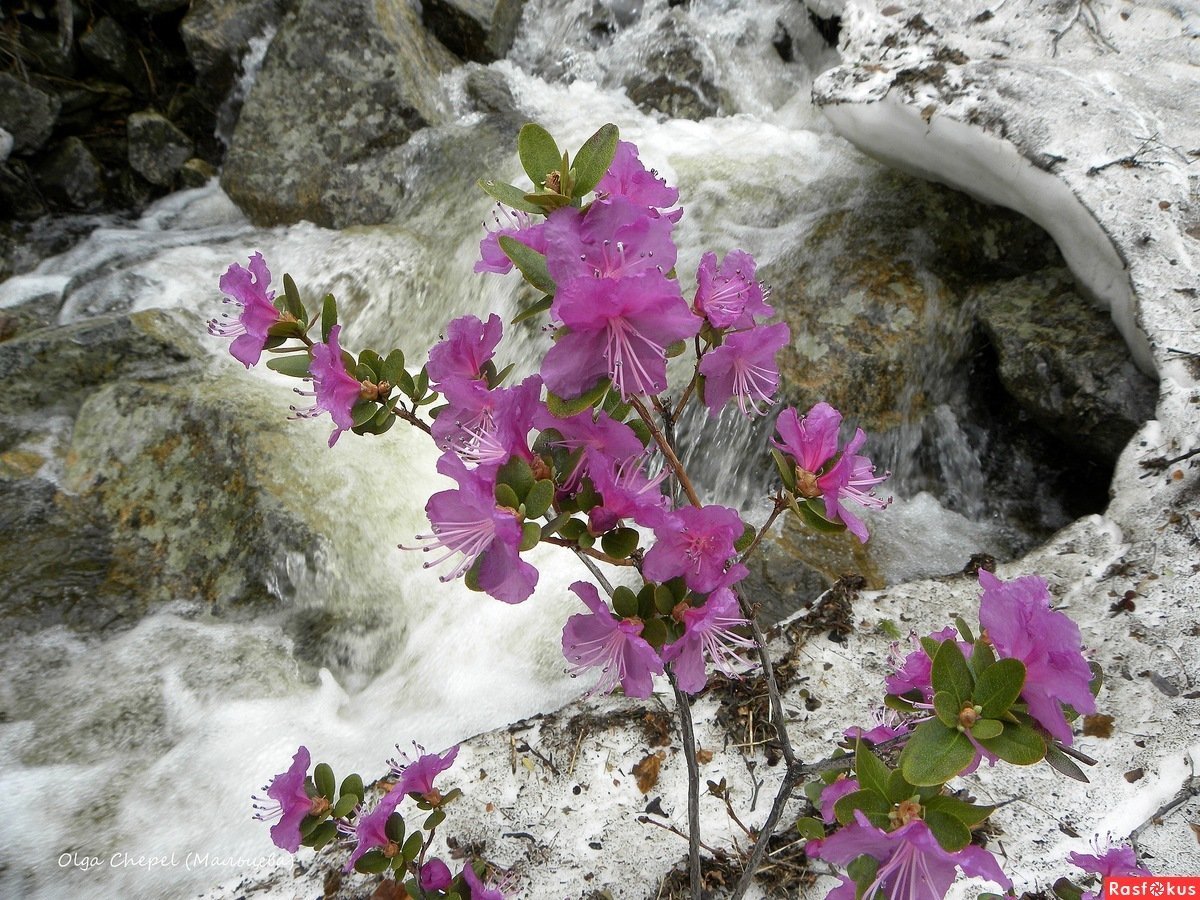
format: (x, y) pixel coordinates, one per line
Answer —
(581, 456)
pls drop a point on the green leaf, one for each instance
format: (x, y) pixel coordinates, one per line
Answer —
(506, 496)
(642, 430)
(434, 819)
(533, 309)
(900, 704)
(594, 158)
(743, 543)
(555, 525)
(950, 832)
(328, 316)
(573, 529)
(538, 152)
(412, 846)
(422, 384)
(373, 862)
(951, 673)
(508, 194)
(352, 785)
(898, 787)
(394, 828)
(372, 361)
(984, 729)
(539, 498)
(677, 348)
(322, 835)
(548, 202)
(392, 367)
(345, 805)
(531, 536)
(964, 629)
(531, 263)
(1065, 889)
(323, 779)
(935, 754)
(862, 871)
(967, 813)
(654, 632)
(1018, 744)
(363, 412)
(787, 470)
(283, 330)
(291, 299)
(1063, 764)
(873, 806)
(870, 770)
(625, 602)
(930, 646)
(517, 475)
(620, 542)
(999, 686)
(810, 828)
(564, 409)
(946, 708)
(981, 657)
(664, 600)
(814, 517)
(294, 365)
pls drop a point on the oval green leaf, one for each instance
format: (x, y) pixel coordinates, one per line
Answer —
(935, 754)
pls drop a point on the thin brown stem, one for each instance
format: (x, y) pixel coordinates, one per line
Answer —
(668, 452)
(688, 735)
(588, 551)
(790, 778)
(411, 418)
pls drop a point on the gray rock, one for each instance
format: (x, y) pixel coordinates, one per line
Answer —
(26, 113)
(674, 78)
(157, 149)
(72, 177)
(110, 50)
(478, 30)
(341, 91)
(217, 34)
(1063, 361)
(196, 172)
(149, 7)
(6, 145)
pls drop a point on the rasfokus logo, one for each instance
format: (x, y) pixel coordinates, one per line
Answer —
(1152, 886)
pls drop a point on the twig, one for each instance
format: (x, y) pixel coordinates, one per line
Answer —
(1191, 787)
(594, 569)
(668, 452)
(790, 778)
(764, 657)
(688, 736)
(588, 551)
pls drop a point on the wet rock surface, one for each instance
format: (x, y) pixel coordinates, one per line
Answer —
(477, 30)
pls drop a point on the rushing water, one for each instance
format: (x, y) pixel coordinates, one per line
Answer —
(150, 742)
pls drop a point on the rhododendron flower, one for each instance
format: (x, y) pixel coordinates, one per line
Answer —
(626, 492)
(744, 367)
(604, 440)
(335, 389)
(912, 864)
(292, 802)
(627, 177)
(730, 297)
(708, 631)
(416, 777)
(1019, 622)
(371, 830)
(694, 543)
(435, 876)
(614, 239)
(467, 521)
(1113, 862)
(915, 672)
(832, 793)
(495, 428)
(812, 443)
(479, 890)
(247, 287)
(468, 345)
(887, 725)
(615, 646)
(616, 329)
(512, 223)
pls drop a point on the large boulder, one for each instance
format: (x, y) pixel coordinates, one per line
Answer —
(478, 30)
(26, 113)
(157, 149)
(217, 35)
(343, 88)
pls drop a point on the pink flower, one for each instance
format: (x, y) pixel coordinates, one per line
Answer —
(1017, 618)
(292, 803)
(487, 428)
(832, 793)
(468, 523)
(335, 389)
(628, 178)
(468, 345)
(744, 367)
(915, 672)
(626, 493)
(912, 865)
(618, 329)
(614, 239)
(479, 890)
(435, 876)
(812, 443)
(247, 288)
(707, 629)
(515, 224)
(371, 830)
(417, 777)
(615, 646)
(1115, 861)
(694, 543)
(729, 297)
